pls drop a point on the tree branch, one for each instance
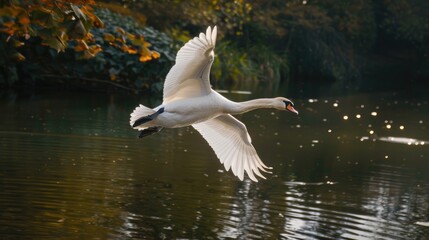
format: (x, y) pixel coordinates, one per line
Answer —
(89, 80)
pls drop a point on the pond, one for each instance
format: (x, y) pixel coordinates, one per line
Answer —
(347, 167)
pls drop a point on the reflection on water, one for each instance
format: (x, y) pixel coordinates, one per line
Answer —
(403, 140)
(352, 167)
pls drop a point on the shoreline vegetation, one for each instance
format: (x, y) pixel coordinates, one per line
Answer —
(130, 45)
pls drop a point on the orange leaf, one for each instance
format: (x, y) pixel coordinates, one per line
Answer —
(144, 52)
(155, 54)
(120, 30)
(132, 50)
(131, 36)
(124, 48)
(109, 37)
(121, 39)
(82, 46)
(97, 22)
(95, 49)
(24, 20)
(9, 24)
(144, 58)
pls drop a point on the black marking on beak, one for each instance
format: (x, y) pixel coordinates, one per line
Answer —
(289, 107)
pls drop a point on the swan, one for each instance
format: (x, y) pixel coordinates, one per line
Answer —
(189, 100)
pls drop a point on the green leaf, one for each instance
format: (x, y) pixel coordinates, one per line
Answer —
(78, 13)
(55, 43)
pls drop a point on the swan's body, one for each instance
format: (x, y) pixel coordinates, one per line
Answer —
(190, 100)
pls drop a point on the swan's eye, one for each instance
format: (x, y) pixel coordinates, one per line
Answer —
(287, 103)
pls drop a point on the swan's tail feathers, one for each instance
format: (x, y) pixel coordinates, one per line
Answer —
(141, 115)
(149, 131)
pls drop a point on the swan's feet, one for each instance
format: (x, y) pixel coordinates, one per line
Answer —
(148, 118)
(149, 131)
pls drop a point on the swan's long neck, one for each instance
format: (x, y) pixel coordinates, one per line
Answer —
(242, 107)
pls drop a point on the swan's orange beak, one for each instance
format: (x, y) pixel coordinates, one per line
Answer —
(290, 108)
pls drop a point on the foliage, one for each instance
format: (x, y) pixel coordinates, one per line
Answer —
(55, 22)
(314, 40)
(228, 56)
(320, 38)
(317, 40)
(231, 15)
(119, 62)
(123, 61)
(407, 20)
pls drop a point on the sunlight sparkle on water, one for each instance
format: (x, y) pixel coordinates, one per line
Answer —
(374, 114)
(345, 117)
(364, 138)
(358, 116)
(388, 126)
(335, 104)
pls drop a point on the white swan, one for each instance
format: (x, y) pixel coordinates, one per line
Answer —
(190, 100)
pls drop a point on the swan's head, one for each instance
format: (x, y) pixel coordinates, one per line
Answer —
(285, 104)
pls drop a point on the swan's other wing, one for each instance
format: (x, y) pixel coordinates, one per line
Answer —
(233, 146)
(189, 77)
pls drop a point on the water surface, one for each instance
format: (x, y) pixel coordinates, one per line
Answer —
(353, 167)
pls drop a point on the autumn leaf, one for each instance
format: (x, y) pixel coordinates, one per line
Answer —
(24, 20)
(121, 39)
(81, 46)
(55, 43)
(155, 54)
(145, 58)
(97, 22)
(109, 37)
(95, 49)
(120, 30)
(132, 50)
(9, 24)
(124, 48)
(88, 11)
(144, 51)
(131, 36)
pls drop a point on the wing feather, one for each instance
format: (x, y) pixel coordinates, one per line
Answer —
(248, 166)
(230, 141)
(189, 77)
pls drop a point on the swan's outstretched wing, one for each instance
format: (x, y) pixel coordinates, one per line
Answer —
(189, 77)
(232, 144)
